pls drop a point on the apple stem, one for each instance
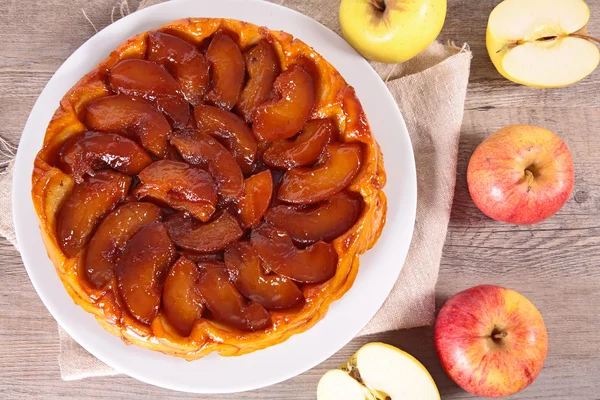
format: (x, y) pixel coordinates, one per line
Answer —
(378, 4)
(586, 37)
(499, 335)
(529, 178)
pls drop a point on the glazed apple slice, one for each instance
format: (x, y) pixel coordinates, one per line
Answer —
(141, 78)
(180, 186)
(326, 221)
(90, 200)
(107, 244)
(198, 148)
(184, 61)
(135, 117)
(226, 304)
(262, 67)
(315, 264)
(285, 115)
(181, 299)
(311, 185)
(100, 150)
(232, 131)
(252, 206)
(303, 150)
(228, 72)
(142, 269)
(204, 238)
(246, 273)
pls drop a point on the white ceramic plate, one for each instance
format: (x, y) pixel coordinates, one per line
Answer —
(379, 267)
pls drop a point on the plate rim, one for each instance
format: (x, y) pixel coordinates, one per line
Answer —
(21, 188)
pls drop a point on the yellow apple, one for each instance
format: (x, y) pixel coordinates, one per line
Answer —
(378, 371)
(391, 31)
(542, 43)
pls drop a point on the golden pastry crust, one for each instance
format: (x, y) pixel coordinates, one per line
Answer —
(335, 99)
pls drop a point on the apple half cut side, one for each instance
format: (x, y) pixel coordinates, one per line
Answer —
(542, 43)
(378, 371)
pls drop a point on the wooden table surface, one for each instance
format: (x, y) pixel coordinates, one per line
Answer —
(556, 264)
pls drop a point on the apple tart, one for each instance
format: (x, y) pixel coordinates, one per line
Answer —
(209, 186)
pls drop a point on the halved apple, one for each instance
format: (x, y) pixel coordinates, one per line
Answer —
(378, 371)
(542, 43)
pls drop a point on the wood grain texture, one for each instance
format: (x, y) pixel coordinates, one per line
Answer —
(556, 264)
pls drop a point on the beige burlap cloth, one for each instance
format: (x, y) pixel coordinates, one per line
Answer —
(430, 91)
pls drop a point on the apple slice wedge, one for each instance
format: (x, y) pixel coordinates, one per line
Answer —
(252, 206)
(113, 233)
(204, 238)
(88, 203)
(184, 61)
(326, 221)
(181, 186)
(331, 176)
(232, 131)
(226, 304)
(315, 264)
(141, 78)
(285, 115)
(96, 150)
(378, 371)
(198, 148)
(542, 43)
(305, 149)
(262, 66)
(228, 72)
(136, 118)
(272, 291)
(182, 302)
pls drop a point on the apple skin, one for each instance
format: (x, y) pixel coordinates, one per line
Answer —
(476, 362)
(521, 175)
(391, 31)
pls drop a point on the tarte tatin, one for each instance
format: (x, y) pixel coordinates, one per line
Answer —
(209, 186)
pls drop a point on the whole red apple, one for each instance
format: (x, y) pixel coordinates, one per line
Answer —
(491, 341)
(521, 175)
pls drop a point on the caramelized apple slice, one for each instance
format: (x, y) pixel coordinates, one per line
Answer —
(232, 131)
(141, 78)
(262, 66)
(204, 238)
(315, 264)
(90, 201)
(110, 238)
(305, 149)
(180, 186)
(228, 71)
(226, 304)
(98, 150)
(142, 269)
(201, 149)
(182, 302)
(311, 185)
(258, 190)
(245, 271)
(135, 117)
(184, 61)
(324, 222)
(285, 115)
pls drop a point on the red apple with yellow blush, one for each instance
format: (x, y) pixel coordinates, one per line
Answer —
(521, 174)
(491, 341)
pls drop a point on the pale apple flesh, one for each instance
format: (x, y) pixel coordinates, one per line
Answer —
(378, 371)
(521, 175)
(491, 341)
(542, 43)
(391, 31)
